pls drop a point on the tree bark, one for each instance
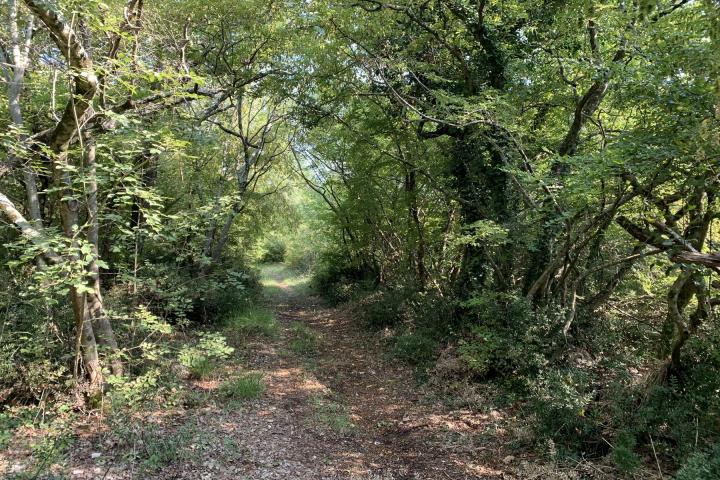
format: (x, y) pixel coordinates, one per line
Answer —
(414, 216)
(27, 229)
(84, 88)
(20, 60)
(100, 320)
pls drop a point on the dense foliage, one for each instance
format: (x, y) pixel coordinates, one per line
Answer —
(523, 194)
(534, 184)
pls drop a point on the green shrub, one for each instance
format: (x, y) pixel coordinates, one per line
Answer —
(246, 387)
(623, 453)
(339, 282)
(35, 336)
(275, 250)
(176, 294)
(505, 338)
(480, 352)
(417, 348)
(132, 391)
(301, 257)
(430, 310)
(231, 290)
(701, 466)
(384, 308)
(201, 358)
(561, 399)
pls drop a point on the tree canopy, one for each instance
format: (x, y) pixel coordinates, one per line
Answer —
(527, 188)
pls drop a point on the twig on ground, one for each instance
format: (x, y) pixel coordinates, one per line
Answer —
(657, 462)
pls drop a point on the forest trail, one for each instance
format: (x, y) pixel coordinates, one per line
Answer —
(335, 405)
(343, 409)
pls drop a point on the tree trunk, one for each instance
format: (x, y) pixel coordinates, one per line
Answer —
(20, 60)
(100, 320)
(225, 232)
(414, 216)
(86, 346)
(85, 83)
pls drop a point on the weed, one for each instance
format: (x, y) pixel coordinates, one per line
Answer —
(624, 455)
(151, 447)
(49, 453)
(305, 340)
(201, 359)
(232, 449)
(160, 451)
(701, 466)
(195, 398)
(253, 321)
(201, 368)
(246, 387)
(333, 415)
(418, 348)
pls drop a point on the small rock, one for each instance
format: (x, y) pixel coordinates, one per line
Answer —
(508, 459)
(95, 455)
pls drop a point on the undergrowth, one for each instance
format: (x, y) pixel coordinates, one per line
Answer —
(246, 387)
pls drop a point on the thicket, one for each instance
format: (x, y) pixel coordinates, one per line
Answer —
(142, 160)
(525, 198)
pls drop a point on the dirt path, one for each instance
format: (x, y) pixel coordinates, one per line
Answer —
(358, 413)
(335, 406)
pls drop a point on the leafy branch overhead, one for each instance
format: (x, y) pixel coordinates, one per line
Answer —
(520, 199)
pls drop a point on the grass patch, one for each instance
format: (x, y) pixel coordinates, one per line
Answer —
(273, 292)
(160, 447)
(149, 447)
(253, 321)
(195, 399)
(333, 415)
(246, 387)
(305, 341)
(201, 368)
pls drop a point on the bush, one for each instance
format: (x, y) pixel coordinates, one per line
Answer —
(200, 359)
(504, 337)
(339, 282)
(35, 336)
(562, 400)
(275, 251)
(418, 348)
(232, 289)
(384, 308)
(701, 466)
(623, 453)
(301, 257)
(480, 351)
(176, 294)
